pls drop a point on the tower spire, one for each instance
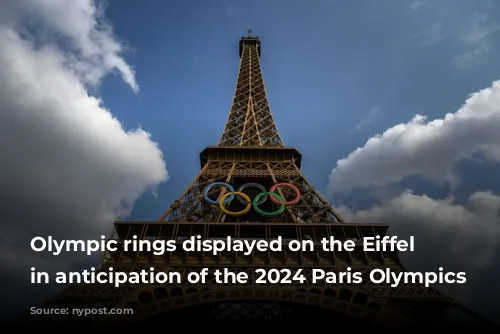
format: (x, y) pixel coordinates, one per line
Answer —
(250, 122)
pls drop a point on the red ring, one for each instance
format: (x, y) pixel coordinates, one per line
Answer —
(284, 184)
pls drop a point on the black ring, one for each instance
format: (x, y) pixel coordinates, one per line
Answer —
(255, 185)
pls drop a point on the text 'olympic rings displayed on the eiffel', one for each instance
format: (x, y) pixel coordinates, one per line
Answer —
(245, 199)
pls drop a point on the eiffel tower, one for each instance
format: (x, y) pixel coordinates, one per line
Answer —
(250, 159)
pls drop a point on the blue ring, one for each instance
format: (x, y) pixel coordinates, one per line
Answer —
(210, 186)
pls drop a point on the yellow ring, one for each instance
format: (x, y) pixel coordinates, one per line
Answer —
(237, 213)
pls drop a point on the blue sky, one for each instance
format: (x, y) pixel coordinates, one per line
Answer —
(336, 72)
(112, 108)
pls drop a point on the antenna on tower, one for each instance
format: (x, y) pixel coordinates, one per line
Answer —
(249, 32)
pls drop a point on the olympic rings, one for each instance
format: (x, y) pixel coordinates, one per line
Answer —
(293, 201)
(264, 213)
(237, 213)
(257, 201)
(254, 185)
(210, 186)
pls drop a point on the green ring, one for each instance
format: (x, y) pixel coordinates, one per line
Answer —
(264, 213)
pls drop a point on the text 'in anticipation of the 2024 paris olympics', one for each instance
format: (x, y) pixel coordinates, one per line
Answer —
(229, 276)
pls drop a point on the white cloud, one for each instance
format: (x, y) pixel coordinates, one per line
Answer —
(472, 229)
(417, 5)
(425, 148)
(433, 35)
(476, 38)
(480, 28)
(368, 119)
(68, 168)
(94, 49)
(459, 238)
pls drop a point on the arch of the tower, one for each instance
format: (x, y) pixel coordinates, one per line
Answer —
(250, 303)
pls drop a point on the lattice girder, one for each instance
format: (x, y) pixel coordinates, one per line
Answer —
(192, 206)
(250, 122)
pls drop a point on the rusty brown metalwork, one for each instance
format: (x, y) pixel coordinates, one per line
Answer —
(251, 150)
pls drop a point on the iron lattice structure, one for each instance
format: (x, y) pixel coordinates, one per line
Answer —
(251, 150)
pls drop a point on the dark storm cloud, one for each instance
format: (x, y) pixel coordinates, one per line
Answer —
(68, 168)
